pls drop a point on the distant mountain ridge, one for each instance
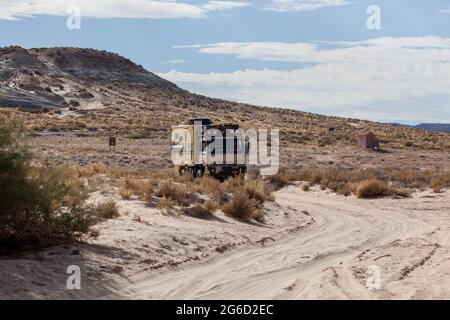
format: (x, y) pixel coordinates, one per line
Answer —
(443, 127)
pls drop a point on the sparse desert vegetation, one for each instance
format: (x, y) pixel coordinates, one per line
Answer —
(365, 183)
(203, 196)
(107, 210)
(40, 205)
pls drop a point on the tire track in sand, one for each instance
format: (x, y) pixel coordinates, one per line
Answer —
(313, 263)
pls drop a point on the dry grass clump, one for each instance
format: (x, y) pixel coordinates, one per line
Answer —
(203, 211)
(207, 185)
(99, 168)
(107, 210)
(165, 203)
(148, 192)
(372, 188)
(211, 206)
(125, 194)
(93, 170)
(440, 181)
(175, 192)
(258, 190)
(131, 186)
(242, 207)
(127, 188)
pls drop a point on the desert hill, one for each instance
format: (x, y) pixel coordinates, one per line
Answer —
(73, 89)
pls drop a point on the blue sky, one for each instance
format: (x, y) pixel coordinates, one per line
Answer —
(311, 55)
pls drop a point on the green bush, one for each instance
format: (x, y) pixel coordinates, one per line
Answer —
(39, 206)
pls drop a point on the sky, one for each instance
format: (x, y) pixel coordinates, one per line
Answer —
(385, 60)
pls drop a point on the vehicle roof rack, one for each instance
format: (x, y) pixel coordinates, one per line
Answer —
(204, 121)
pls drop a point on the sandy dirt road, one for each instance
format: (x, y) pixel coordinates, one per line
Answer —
(404, 238)
(319, 246)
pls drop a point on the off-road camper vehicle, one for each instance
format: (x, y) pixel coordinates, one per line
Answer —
(199, 147)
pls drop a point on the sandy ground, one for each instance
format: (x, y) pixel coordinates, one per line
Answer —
(315, 245)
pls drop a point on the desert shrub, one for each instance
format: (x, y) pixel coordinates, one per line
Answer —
(130, 186)
(165, 203)
(258, 190)
(233, 184)
(175, 192)
(125, 194)
(99, 168)
(440, 181)
(207, 185)
(211, 206)
(107, 210)
(129, 183)
(203, 211)
(372, 188)
(242, 207)
(221, 197)
(148, 192)
(38, 206)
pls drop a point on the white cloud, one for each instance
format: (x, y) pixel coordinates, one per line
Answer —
(151, 9)
(445, 11)
(274, 51)
(373, 78)
(177, 61)
(302, 5)
(225, 5)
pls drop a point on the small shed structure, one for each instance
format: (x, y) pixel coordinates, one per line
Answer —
(368, 141)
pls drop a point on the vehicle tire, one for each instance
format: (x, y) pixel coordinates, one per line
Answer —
(200, 173)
